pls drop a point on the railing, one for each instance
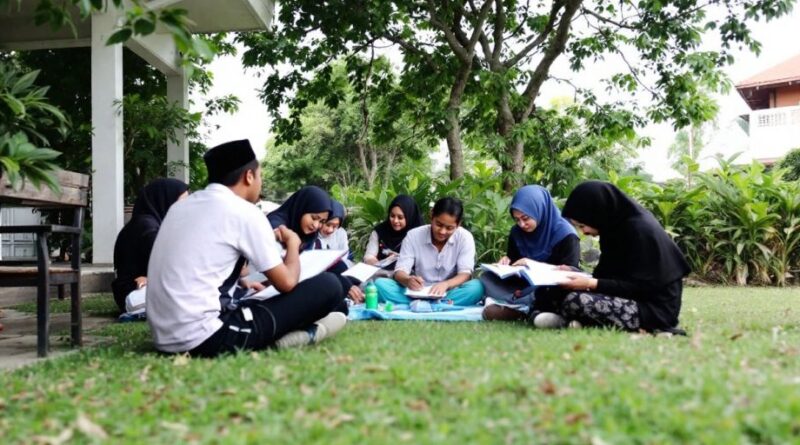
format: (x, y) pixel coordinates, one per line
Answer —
(775, 131)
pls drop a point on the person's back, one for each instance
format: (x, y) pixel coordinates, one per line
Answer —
(199, 249)
(200, 243)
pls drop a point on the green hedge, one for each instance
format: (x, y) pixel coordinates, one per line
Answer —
(736, 224)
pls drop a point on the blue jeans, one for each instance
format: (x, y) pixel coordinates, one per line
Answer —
(468, 294)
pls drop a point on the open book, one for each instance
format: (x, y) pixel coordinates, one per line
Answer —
(424, 293)
(312, 263)
(536, 273)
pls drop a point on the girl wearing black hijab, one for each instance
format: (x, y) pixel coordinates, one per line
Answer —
(135, 240)
(387, 237)
(637, 283)
(304, 213)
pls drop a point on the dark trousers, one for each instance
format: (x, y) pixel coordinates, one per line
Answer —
(270, 319)
(593, 309)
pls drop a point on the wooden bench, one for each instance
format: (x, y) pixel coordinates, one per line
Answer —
(74, 196)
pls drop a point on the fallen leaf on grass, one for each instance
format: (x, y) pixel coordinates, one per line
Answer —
(62, 438)
(338, 420)
(89, 428)
(776, 330)
(143, 376)
(181, 360)
(548, 387)
(343, 359)
(574, 418)
(577, 347)
(375, 368)
(178, 427)
(419, 405)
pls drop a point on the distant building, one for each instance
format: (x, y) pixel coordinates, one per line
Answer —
(774, 97)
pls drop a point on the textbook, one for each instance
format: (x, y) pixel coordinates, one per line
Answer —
(312, 263)
(361, 272)
(535, 272)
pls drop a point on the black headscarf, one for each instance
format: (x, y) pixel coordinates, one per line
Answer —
(390, 238)
(135, 240)
(309, 199)
(337, 211)
(633, 245)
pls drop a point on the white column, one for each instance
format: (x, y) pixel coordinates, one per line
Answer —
(107, 140)
(178, 151)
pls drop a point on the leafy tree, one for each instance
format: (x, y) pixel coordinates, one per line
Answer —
(139, 20)
(149, 123)
(685, 150)
(25, 117)
(343, 145)
(470, 64)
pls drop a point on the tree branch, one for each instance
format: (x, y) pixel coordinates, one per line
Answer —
(557, 5)
(413, 49)
(608, 20)
(554, 49)
(499, 27)
(459, 50)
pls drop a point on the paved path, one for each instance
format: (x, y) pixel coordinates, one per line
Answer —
(18, 337)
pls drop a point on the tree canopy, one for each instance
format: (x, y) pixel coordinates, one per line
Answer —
(470, 66)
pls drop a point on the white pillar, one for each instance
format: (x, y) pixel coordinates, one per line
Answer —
(178, 152)
(107, 140)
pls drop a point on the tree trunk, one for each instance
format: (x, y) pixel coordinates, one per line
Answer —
(512, 161)
(454, 146)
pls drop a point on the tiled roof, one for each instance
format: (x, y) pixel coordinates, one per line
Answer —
(786, 71)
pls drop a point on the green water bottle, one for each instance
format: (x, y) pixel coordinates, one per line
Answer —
(371, 296)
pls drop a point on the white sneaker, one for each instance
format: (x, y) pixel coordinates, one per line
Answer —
(575, 324)
(323, 328)
(549, 320)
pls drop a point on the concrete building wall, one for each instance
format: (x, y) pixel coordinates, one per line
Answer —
(787, 96)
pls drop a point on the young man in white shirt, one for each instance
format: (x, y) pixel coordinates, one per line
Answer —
(199, 245)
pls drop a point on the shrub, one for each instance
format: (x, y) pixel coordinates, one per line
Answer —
(791, 164)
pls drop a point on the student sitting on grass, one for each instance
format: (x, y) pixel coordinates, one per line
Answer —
(441, 255)
(201, 241)
(135, 240)
(303, 213)
(332, 236)
(637, 283)
(387, 237)
(540, 234)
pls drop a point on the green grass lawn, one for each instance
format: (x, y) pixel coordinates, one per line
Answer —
(736, 379)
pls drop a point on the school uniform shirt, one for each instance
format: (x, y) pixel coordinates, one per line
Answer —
(336, 241)
(196, 249)
(419, 255)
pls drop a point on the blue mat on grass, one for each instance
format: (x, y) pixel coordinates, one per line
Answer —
(442, 312)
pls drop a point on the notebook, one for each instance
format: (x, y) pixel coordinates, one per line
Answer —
(361, 271)
(424, 294)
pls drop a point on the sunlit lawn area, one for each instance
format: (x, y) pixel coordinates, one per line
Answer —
(736, 379)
